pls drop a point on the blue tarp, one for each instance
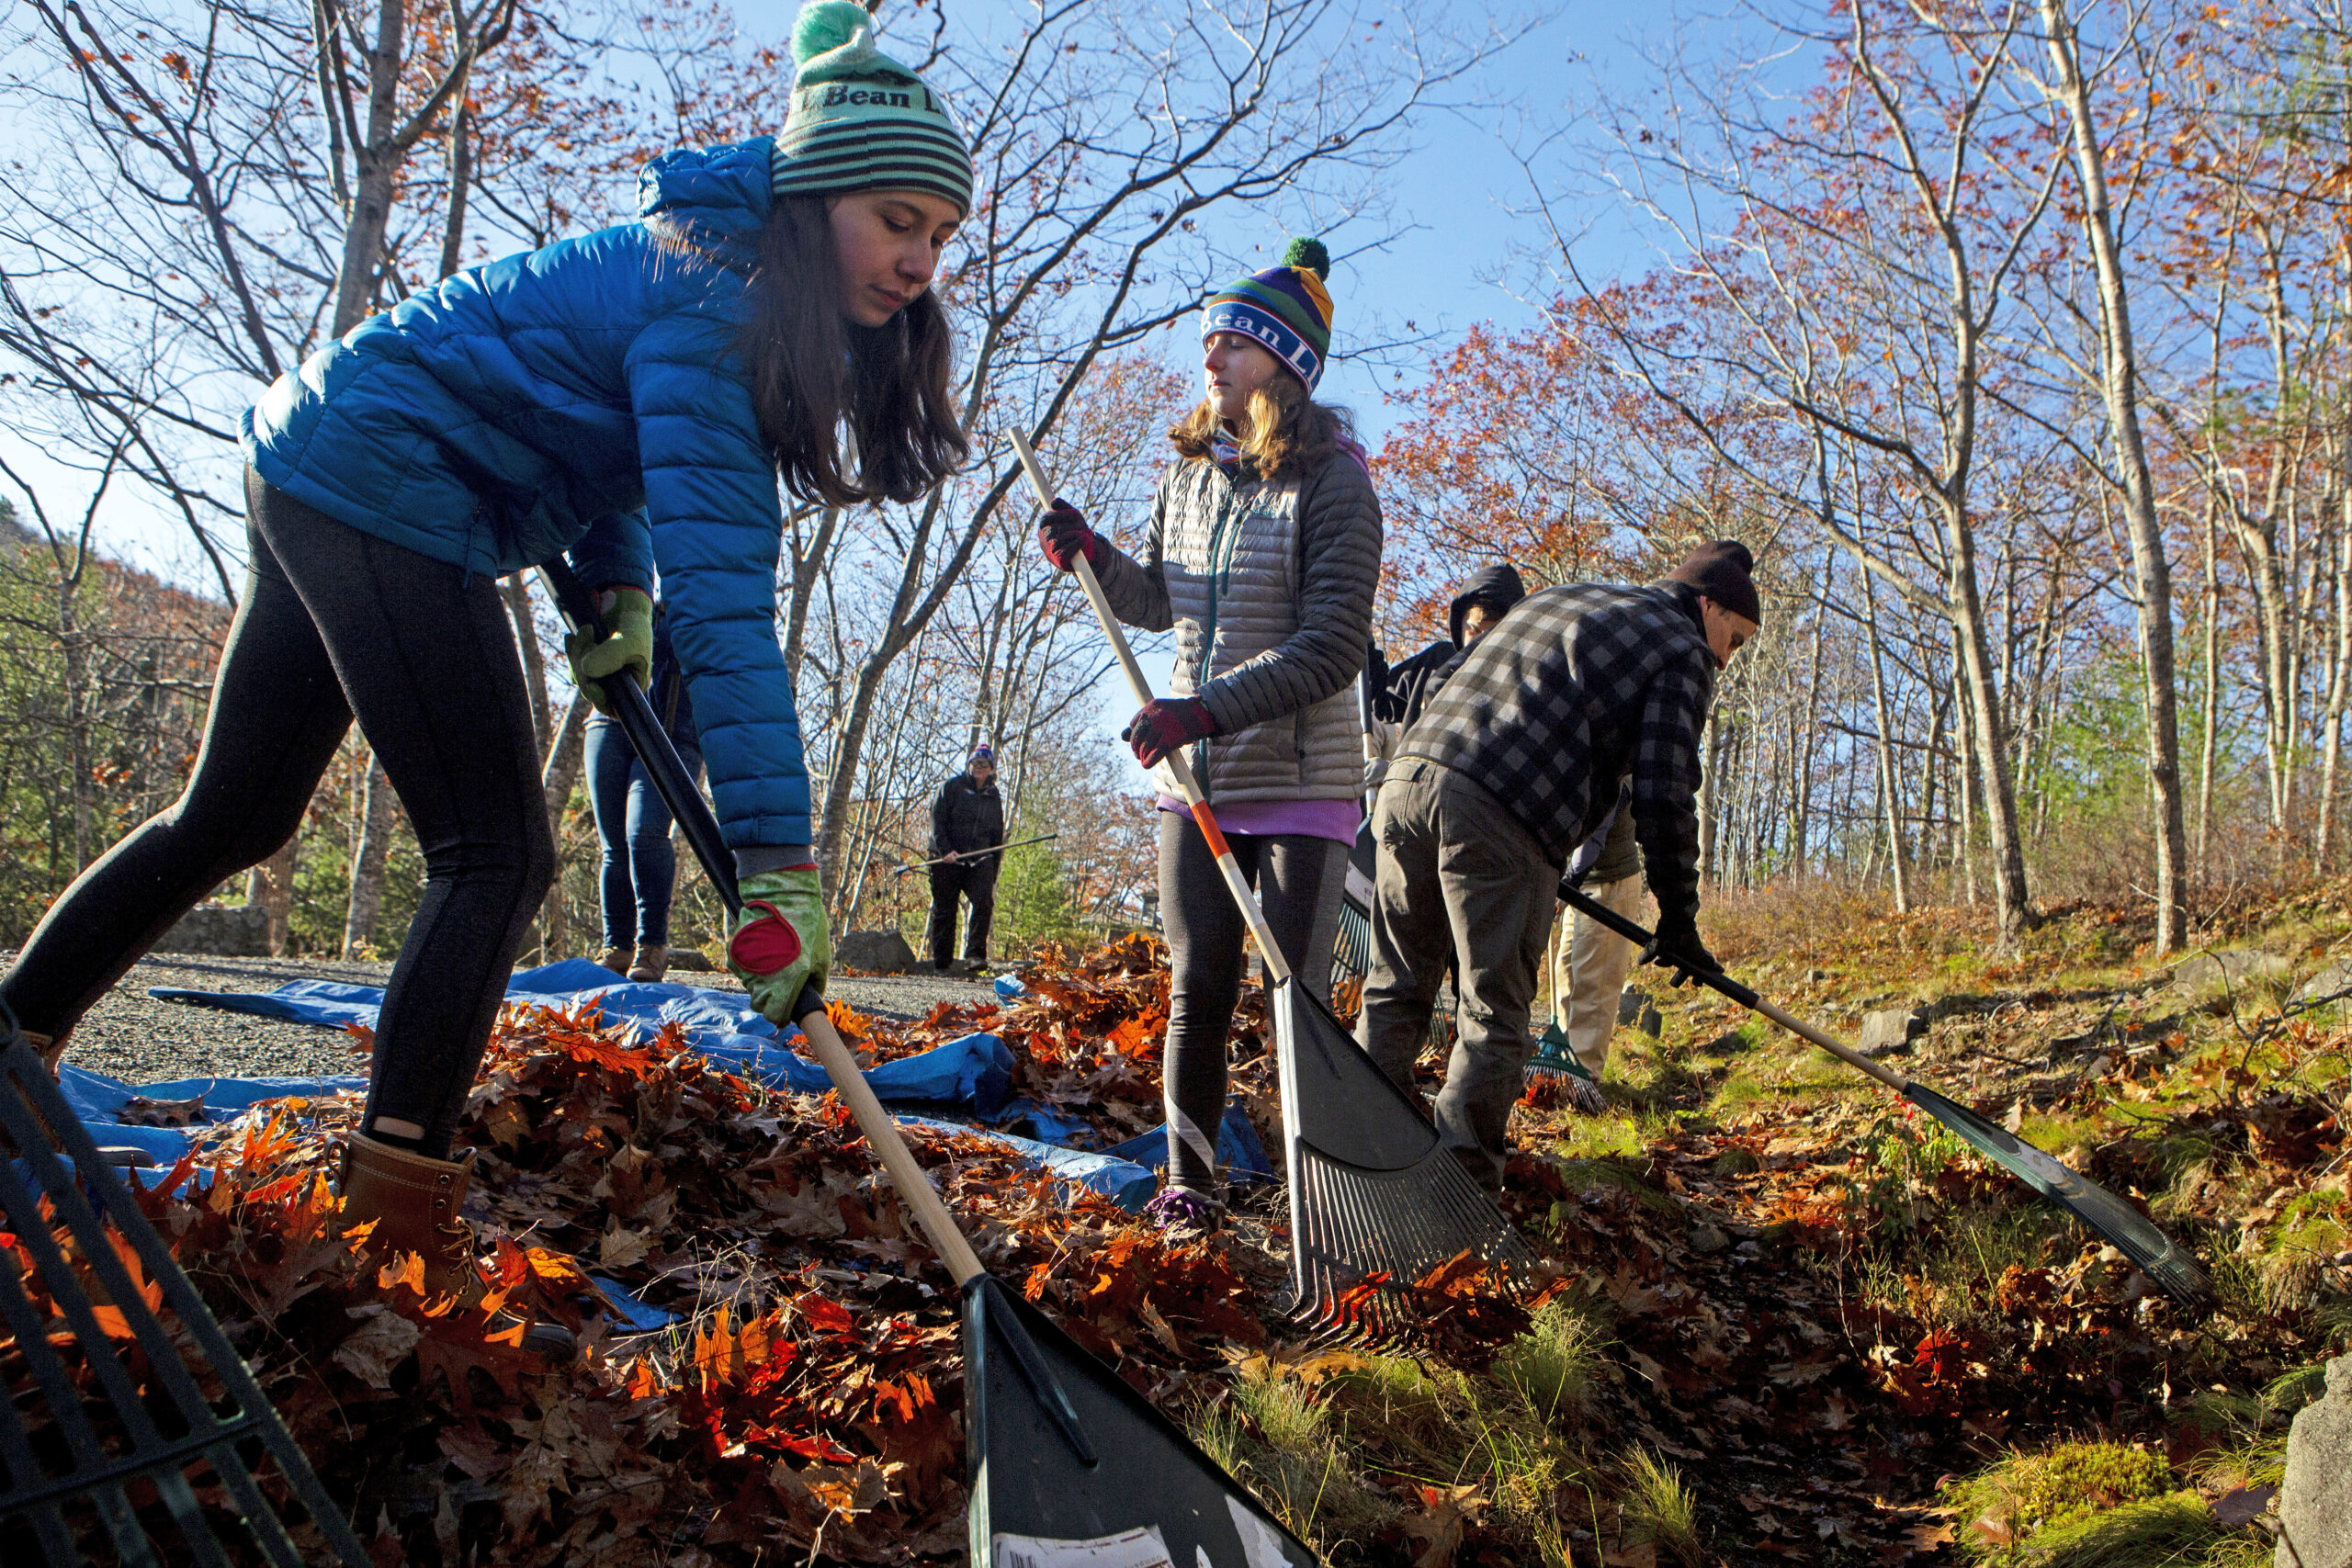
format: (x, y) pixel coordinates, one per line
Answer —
(1120, 1180)
(1237, 1149)
(976, 1070)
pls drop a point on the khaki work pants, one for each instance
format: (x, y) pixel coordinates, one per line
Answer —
(1588, 966)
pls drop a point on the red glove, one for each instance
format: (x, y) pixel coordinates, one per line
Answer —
(1063, 537)
(1165, 725)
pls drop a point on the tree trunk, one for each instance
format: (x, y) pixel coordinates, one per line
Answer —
(368, 859)
(806, 566)
(376, 165)
(1889, 793)
(2119, 372)
(556, 780)
(271, 884)
(516, 588)
(1995, 793)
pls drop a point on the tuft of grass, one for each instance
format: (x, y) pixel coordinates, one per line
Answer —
(1550, 1366)
(1298, 1468)
(1289, 1416)
(2156, 1532)
(1659, 1509)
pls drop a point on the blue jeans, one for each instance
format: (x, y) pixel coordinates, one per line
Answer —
(640, 867)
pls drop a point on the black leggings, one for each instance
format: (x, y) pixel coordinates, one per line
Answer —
(334, 622)
(1298, 878)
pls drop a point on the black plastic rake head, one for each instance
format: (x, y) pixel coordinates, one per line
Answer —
(1373, 1190)
(2157, 1254)
(1138, 1494)
(110, 1451)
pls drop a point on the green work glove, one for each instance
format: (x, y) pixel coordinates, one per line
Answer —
(781, 942)
(627, 615)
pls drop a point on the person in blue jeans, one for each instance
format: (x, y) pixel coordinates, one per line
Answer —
(638, 401)
(640, 871)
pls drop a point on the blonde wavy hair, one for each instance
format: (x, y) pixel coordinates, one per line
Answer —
(1285, 432)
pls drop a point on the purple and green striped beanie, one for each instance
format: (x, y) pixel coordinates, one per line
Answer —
(860, 120)
(1285, 308)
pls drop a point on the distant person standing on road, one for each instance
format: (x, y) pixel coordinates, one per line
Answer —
(640, 868)
(967, 817)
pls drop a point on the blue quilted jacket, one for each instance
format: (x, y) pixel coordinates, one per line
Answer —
(576, 399)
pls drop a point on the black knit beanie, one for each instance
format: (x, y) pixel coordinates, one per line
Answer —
(1720, 569)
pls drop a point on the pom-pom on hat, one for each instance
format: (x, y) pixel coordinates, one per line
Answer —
(1285, 308)
(859, 119)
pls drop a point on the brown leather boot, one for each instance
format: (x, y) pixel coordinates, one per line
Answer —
(618, 959)
(415, 1203)
(652, 962)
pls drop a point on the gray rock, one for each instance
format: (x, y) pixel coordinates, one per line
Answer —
(692, 961)
(2316, 1506)
(2336, 980)
(873, 952)
(1634, 1007)
(2233, 968)
(1890, 1031)
(223, 930)
(1707, 1239)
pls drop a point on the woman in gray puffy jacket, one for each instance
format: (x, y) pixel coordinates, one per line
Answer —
(1263, 554)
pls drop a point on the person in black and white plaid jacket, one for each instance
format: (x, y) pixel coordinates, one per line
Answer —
(1512, 764)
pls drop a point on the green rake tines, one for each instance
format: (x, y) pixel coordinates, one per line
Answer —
(133, 1467)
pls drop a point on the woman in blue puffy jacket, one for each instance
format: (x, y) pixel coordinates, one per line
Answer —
(629, 400)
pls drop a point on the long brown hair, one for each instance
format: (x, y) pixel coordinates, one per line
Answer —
(812, 372)
(1284, 431)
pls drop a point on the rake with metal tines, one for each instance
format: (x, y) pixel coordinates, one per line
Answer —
(1377, 1200)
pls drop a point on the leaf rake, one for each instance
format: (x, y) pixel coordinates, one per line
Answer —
(138, 1423)
(2157, 1256)
(1068, 1465)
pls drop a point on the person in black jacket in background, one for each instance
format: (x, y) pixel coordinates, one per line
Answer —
(967, 818)
(1404, 688)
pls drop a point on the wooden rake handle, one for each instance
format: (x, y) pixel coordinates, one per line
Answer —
(676, 787)
(1269, 950)
(882, 1133)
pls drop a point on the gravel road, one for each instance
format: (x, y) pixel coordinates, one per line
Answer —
(132, 1036)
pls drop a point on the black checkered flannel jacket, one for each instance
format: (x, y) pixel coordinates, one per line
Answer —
(1576, 686)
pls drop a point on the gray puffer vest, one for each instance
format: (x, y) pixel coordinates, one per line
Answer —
(1268, 585)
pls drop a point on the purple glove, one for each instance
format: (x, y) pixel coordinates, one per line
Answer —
(1063, 537)
(1165, 725)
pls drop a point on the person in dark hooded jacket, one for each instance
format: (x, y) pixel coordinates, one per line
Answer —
(634, 400)
(1407, 686)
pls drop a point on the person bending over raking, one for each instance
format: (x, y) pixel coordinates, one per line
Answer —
(770, 297)
(1514, 763)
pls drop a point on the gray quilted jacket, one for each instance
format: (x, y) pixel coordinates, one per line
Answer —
(1268, 585)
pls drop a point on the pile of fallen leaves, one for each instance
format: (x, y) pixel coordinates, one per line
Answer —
(809, 1399)
(1788, 1306)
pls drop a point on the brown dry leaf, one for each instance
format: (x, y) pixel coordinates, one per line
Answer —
(618, 1248)
(1641, 1554)
(383, 1341)
(1447, 1511)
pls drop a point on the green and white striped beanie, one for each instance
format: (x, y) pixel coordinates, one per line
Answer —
(859, 119)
